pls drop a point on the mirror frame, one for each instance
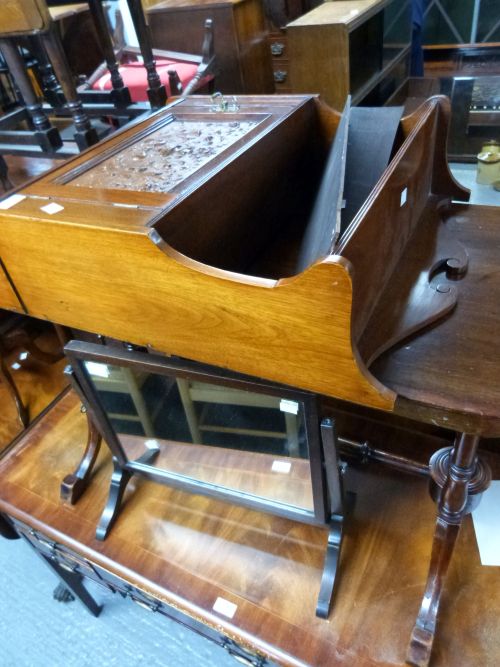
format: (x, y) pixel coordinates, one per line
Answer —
(79, 352)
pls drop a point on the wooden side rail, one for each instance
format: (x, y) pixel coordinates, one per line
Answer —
(383, 227)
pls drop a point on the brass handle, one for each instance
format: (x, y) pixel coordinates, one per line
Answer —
(280, 76)
(277, 48)
(65, 566)
(240, 658)
(231, 647)
(46, 543)
(145, 605)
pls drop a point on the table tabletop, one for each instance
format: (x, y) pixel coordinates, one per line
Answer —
(189, 550)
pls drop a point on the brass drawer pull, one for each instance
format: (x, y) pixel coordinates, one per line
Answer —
(280, 76)
(42, 541)
(65, 566)
(235, 652)
(149, 606)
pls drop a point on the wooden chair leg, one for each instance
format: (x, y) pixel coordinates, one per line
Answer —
(74, 485)
(458, 480)
(120, 94)
(46, 134)
(85, 135)
(157, 93)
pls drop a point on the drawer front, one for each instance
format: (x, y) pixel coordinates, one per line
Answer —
(278, 46)
(281, 77)
(152, 604)
(76, 563)
(57, 553)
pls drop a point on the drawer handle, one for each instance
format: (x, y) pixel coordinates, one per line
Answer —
(45, 543)
(232, 648)
(149, 606)
(277, 48)
(65, 566)
(280, 76)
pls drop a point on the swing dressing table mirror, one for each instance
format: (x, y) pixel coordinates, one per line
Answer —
(224, 435)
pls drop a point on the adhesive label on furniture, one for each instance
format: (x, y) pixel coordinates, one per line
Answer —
(52, 208)
(225, 607)
(94, 368)
(11, 201)
(281, 466)
(404, 197)
(152, 444)
(289, 406)
(486, 520)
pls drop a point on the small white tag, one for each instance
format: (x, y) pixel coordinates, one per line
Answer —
(23, 356)
(225, 607)
(289, 406)
(486, 519)
(16, 366)
(11, 201)
(404, 197)
(52, 208)
(94, 368)
(152, 444)
(281, 466)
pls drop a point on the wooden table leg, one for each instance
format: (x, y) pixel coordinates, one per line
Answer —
(458, 480)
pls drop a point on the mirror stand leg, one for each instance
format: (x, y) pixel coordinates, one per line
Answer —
(74, 484)
(329, 576)
(119, 480)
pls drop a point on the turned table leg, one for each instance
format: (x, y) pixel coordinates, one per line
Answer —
(457, 482)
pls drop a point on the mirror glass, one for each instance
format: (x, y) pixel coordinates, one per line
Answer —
(250, 442)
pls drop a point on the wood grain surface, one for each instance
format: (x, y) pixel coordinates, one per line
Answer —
(102, 273)
(38, 384)
(449, 375)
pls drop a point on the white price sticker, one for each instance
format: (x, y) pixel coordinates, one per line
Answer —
(289, 406)
(225, 607)
(52, 208)
(11, 201)
(94, 368)
(281, 466)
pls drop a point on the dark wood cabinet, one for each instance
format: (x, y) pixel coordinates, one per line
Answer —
(243, 60)
(359, 48)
